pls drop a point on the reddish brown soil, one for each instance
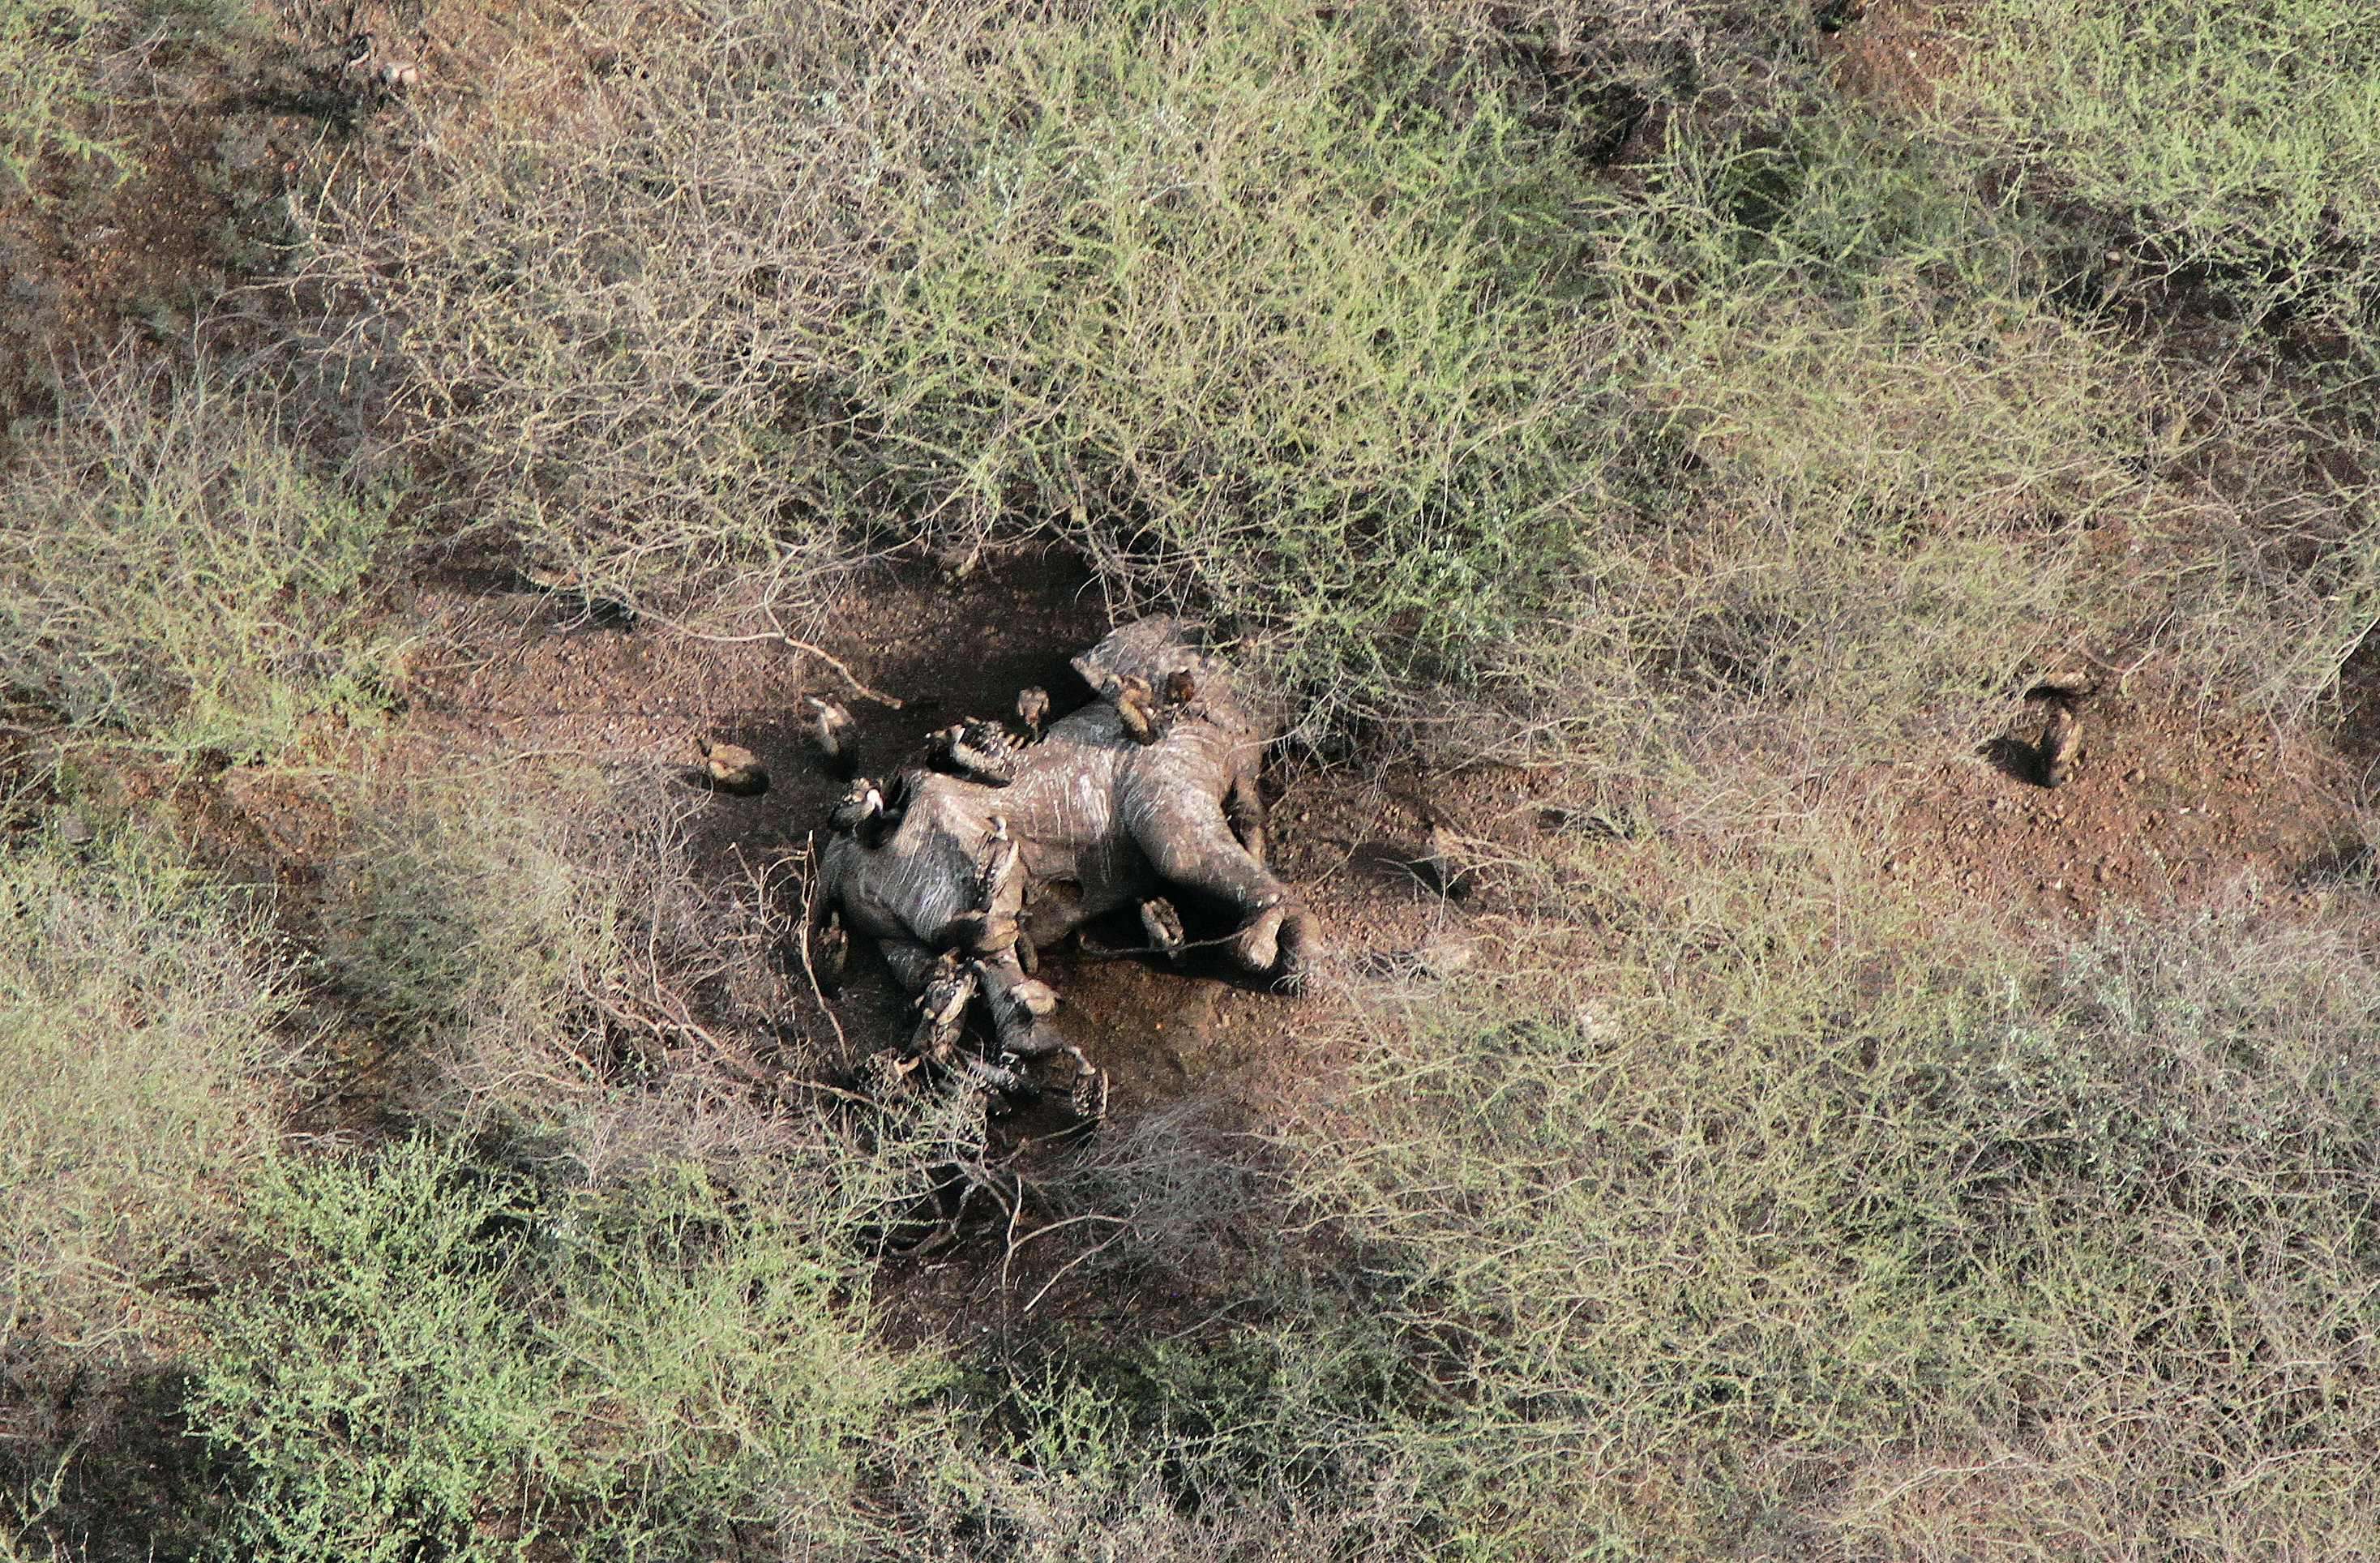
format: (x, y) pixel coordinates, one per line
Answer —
(1890, 49)
(2163, 808)
(96, 251)
(526, 676)
(520, 676)
(78, 269)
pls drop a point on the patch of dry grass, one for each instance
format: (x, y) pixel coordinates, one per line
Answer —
(142, 1011)
(1807, 1204)
(546, 954)
(177, 572)
(2237, 144)
(1790, 427)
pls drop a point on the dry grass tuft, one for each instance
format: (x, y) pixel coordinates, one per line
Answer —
(141, 1013)
(1801, 1173)
(177, 571)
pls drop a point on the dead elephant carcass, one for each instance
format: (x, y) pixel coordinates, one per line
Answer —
(1100, 820)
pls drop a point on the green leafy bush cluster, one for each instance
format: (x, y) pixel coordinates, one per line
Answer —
(2238, 142)
(49, 54)
(69, 67)
(439, 1357)
(176, 569)
(1271, 312)
(1505, 353)
(545, 958)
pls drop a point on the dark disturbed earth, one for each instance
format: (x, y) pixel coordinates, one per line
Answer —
(2164, 808)
(530, 678)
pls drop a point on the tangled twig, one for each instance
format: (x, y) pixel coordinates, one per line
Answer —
(809, 908)
(849, 677)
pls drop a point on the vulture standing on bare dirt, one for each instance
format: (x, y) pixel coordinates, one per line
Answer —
(731, 768)
(831, 729)
(2061, 745)
(1088, 1094)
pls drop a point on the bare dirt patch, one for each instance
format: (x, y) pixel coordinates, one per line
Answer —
(194, 209)
(522, 676)
(2167, 807)
(1891, 50)
(78, 268)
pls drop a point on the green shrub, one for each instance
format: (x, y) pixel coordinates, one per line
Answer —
(1879, 454)
(499, 911)
(1886, 472)
(1148, 1452)
(49, 54)
(68, 67)
(1252, 305)
(542, 966)
(2238, 141)
(1335, 328)
(612, 316)
(442, 1358)
(141, 1008)
(174, 568)
(1264, 308)
(1798, 1216)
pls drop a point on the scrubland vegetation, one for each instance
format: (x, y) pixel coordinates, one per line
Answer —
(178, 572)
(1677, 399)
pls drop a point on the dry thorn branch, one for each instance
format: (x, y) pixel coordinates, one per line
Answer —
(809, 912)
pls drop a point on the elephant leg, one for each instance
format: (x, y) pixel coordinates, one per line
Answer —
(1244, 809)
(910, 962)
(1189, 843)
(1020, 1032)
(1298, 942)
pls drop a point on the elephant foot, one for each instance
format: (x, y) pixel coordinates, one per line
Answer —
(1029, 1039)
(1257, 947)
(1300, 947)
(1278, 942)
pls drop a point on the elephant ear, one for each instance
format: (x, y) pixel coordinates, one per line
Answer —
(1154, 646)
(1148, 648)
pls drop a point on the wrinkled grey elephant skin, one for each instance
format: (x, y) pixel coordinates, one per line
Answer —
(1101, 822)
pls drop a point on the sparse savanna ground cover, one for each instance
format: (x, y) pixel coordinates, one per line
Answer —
(1658, 449)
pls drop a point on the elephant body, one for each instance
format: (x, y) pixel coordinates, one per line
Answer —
(1101, 823)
